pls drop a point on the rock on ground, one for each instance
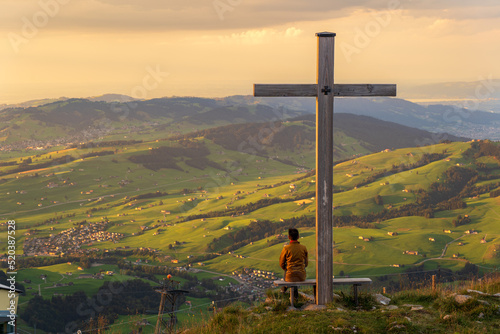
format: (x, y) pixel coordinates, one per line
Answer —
(313, 307)
(382, 299)
(462, 298)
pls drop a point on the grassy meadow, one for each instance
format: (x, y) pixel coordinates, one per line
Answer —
(49, 200)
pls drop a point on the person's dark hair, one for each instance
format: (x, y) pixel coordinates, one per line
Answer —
(293, 233)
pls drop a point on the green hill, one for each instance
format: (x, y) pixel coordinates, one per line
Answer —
(196, 197)
(203, 201)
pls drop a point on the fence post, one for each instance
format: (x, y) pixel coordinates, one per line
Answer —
(433, 283)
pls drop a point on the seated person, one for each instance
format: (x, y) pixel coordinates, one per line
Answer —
(294, 259)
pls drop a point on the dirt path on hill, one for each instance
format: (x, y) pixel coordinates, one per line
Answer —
(220, 274)
(449, 243)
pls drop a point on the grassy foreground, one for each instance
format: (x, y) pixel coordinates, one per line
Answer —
(412, 311)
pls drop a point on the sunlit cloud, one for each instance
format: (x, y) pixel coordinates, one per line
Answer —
(260, 36)
(441, 26)
(293, 32)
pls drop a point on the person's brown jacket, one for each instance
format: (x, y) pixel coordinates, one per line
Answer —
(294, 260)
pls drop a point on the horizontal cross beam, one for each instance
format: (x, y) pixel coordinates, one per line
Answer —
(311, 90)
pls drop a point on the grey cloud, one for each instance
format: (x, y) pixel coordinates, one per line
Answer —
(165, 15)
(189, 14)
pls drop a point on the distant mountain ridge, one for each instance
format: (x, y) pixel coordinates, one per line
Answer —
(76, 120)
(437, 118)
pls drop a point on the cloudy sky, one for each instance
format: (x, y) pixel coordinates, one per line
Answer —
(215, 48)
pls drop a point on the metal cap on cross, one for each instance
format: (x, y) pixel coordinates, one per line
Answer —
(324, 90)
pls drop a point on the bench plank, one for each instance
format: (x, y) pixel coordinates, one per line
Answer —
(311, 281)
(339, 281)
(355, 282)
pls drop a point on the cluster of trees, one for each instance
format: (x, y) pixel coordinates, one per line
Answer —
(305, 176)
(96, 154)
(249, 207)
(426, 158)
(488, 177)
(455, 179)
(482, 167)
(111, 256)
(54, 220)
(148, 195)
(454, 203)
(26, 164)
(495, 193)
(358, 221)
(193, 153)
(62, 313)
(7, 163)
(108, 143)
(256, 230)
(39, 261)
(256, 137)
(197, 288)
(483, 148)
(461, 221)
(472, 189)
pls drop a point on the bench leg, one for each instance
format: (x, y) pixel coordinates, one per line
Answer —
(314, 293)
(292, 295)
(355, 286)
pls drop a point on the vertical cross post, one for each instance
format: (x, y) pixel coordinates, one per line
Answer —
(324, 169)
(324, 91)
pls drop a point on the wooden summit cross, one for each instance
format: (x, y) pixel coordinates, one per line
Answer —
(324, 91)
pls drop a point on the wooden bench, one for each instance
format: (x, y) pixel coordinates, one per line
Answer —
(355, 282)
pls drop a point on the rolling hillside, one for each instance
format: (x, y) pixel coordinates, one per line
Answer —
(205, 197)
(200, 201)
(102, 196)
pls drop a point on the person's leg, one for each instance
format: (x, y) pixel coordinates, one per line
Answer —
(284, 288)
